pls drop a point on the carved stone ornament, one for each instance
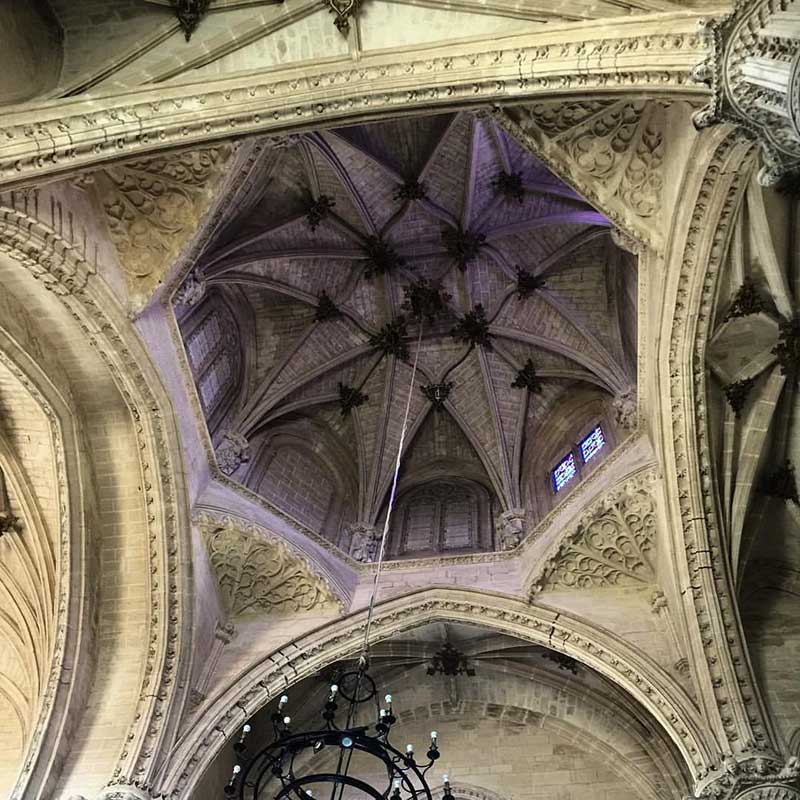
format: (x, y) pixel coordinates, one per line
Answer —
(473, 328)
(755, 779)
(153, 207)
(191, 291)
(190, 14)
(510, 527)
(343, 9)
(753, 73)
(364, 541)
(232, 452)
(256, 574)
(610, 546)
(626, 409)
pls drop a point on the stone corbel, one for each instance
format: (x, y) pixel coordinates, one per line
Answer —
(223, 635)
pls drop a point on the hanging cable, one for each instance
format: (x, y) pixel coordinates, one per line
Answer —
(382, 546)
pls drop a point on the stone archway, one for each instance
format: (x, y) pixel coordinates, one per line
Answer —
(631, 670)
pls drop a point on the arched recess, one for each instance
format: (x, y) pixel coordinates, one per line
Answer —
(712, 189)
(59, 285)
(609, 655)
(51, 550)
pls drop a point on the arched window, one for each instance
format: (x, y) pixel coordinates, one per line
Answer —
(214, 352)
(443, 516)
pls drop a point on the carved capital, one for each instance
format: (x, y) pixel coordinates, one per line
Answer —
(510, 526)
(232, 452)
(755, 778)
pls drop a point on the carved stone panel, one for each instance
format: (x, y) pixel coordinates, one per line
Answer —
(152, 207)
(260, 575)
(610, 546)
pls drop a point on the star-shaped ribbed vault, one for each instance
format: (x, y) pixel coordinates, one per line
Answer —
(344, 252)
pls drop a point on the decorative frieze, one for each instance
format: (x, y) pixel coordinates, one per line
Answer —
(256, 574)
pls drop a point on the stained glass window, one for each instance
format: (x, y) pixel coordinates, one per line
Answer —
(592, 444)
(564, 472)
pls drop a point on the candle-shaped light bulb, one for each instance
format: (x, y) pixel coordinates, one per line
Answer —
(334, 688)
(287, 720)
(382, 713)
(397, 783)
(409, 749)
(246, 729)
(388, 699)
(237, 769)
(283, 701)
(446, 779)
(434, 736)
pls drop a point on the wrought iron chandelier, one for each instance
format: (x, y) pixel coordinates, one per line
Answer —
(295, 764)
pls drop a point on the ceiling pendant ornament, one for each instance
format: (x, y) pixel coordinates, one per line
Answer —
(450, 662)
(787, 351)
(736, 394)
(781, 483)
(350, 398)
(319, 209)
(326, 309)
(564, 662)
(391, 339)
(190, 14)
(746, 301)
(437, 393)
(509, 185)
(411, 190)
(528, 283)
(473, 328)
(528, 379)
(343, 9)
(425, 300)
(462, 245)
(382, 258)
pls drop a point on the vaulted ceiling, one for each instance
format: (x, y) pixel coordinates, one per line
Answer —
(348, 255)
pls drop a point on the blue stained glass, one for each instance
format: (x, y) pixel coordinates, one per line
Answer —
(564, 472)
(592, 444)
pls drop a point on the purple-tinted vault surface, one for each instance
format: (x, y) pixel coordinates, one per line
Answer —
(337, 254)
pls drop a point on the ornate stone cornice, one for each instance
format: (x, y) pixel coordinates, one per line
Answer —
(68, 136)
(753, 779)
(610, 545)
(260, 574)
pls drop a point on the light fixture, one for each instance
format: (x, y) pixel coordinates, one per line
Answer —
(293, 764)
